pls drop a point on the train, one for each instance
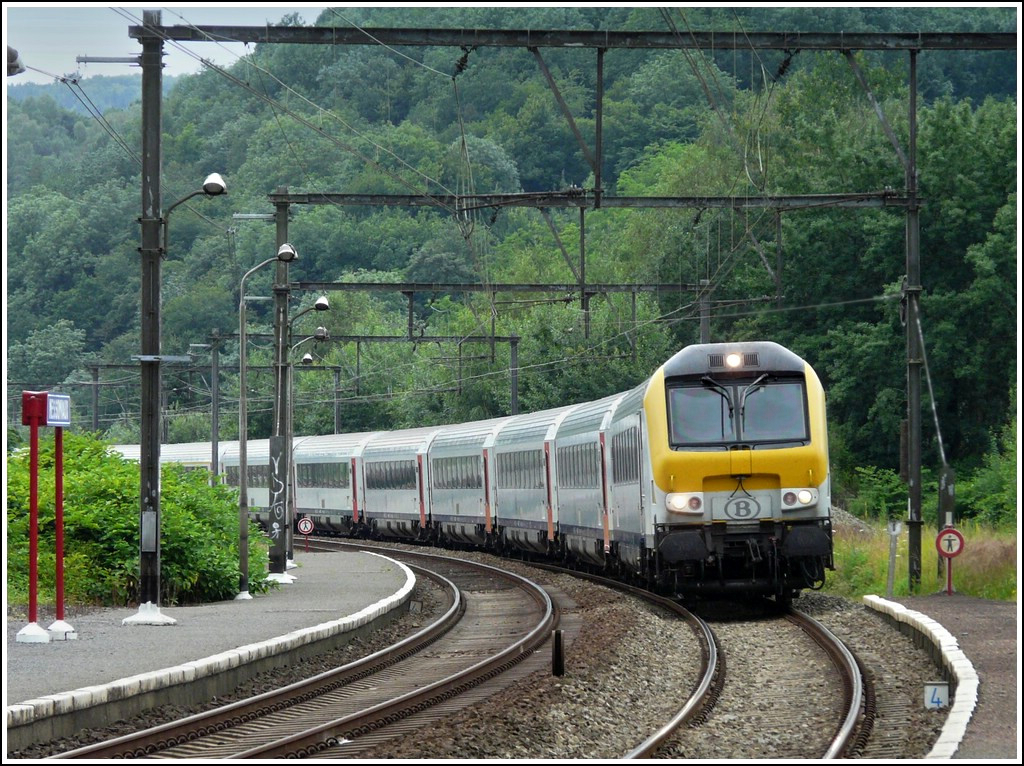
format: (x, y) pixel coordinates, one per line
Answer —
(708, 480)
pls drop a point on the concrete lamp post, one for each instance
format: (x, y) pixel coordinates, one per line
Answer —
(284, 452)
(285, 254)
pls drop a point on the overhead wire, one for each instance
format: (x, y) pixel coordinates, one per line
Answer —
(391, 370)
(723, 268)
(304, 121)
(277, 105)
(74, 86)
(767, 101)
(468, 216)
(587, 356)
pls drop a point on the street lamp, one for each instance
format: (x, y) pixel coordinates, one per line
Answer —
(319, 334)
(149, 359)
(14, 63)
(213, 186)
(285, 254)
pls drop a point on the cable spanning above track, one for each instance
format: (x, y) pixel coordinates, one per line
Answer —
(604, 39)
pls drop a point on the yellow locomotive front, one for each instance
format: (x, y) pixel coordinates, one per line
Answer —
(739, 467)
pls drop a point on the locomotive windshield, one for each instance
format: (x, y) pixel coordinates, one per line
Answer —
(715, 413)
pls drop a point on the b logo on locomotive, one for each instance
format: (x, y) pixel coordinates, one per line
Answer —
(742, 508)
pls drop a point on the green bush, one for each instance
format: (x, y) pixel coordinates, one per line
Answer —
(199, 530)
(990, 494)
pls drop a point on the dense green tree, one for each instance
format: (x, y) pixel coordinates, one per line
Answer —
(991, 494)
(428, 121)
(47, 356)
(968, 168)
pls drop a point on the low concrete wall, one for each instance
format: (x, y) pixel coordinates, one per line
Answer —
(951, 661)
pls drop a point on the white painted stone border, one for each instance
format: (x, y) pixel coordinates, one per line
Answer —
(956, 664)
(65, 702)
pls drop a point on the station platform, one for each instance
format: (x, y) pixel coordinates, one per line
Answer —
(975, 644)
(118, 664)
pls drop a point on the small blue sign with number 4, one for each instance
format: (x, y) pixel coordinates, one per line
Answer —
(936, 695)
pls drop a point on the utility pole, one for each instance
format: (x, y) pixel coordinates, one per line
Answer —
(280, 524)
(337, 402)
(912, 294)
(705, 311)
(95, 398)
(514, 369)
(151, 252)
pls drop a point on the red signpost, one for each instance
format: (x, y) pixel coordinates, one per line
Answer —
(949, 544)
(305, 525)
(40, 408)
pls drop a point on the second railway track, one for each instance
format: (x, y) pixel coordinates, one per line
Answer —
(496, 620)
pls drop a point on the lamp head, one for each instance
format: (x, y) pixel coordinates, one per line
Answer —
(321, 333)
(322, 304)
(307, 358)
(214, 185)
(14, 63)
(286, 253)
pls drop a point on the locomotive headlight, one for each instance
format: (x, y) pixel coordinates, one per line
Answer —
(685, 502)
(733, 360)
(795, 498)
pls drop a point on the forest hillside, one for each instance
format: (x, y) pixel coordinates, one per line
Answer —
(431, 121)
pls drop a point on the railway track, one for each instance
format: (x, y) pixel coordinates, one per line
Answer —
(852, 711)
(495, 620)
(795, 708)
(813, 698)
(708, 686)
(793, 691)
(694, 705)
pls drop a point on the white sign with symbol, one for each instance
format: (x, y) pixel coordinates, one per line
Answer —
(305, 525)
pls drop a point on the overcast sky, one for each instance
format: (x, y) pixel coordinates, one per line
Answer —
(50, 36)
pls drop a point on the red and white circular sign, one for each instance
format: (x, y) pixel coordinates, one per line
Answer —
(949, 543)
